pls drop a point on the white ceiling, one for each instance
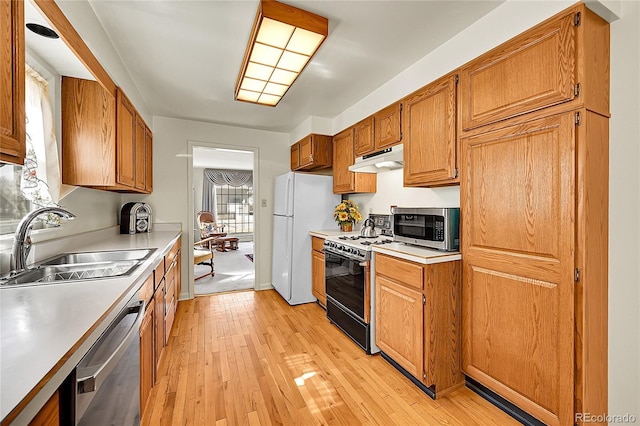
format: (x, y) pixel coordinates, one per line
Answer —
(184, 55)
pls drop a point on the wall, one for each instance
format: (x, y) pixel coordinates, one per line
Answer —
(172, 183)
(624, 214)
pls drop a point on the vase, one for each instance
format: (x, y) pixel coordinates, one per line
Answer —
(346, 226)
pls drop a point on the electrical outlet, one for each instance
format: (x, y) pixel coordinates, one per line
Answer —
(263, 202)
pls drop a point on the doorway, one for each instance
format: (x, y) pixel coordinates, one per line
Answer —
(223, 184)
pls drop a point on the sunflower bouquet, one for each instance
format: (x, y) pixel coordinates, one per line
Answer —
(346, 213)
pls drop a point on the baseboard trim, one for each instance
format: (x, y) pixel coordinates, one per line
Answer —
(506, 406)
(405, 373)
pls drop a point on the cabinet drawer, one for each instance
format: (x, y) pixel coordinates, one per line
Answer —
(158, 274)
(402, 271)
(170, 257)
(146, 291)
(317, 243)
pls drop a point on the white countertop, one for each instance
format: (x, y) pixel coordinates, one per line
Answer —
(332, 233)
(41, 325)
(415, 253)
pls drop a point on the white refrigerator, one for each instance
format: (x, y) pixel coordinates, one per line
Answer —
(302, 202)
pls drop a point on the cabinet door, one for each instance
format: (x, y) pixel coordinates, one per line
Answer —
(12, 90)
(148, 146)
(306, 151)
(518, 203)
(158, 325)
(140, 154)
(317, 277)
(88, 134)
(363, 137)
(531, 71)
(430, 134)
(178, 276)
(399, 325)
(125, 141)
(388, 128)
(295, 156)
(343, 179)
(147, 366)
(49, 415)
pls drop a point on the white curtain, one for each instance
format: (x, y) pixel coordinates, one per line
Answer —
(213, 177)
(41, 182)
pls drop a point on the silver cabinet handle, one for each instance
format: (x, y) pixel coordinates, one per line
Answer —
(89, 379)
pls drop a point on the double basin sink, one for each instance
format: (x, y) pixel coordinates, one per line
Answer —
(80, 266)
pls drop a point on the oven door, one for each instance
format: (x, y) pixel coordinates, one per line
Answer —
(345, 282)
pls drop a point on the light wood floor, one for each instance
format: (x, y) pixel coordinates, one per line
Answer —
(250, 358)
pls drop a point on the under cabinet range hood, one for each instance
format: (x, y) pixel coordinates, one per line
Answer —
(387, 159)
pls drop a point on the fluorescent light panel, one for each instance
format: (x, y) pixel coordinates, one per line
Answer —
(283, 40)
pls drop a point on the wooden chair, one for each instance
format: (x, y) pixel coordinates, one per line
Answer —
(203, 252)
(208, 226)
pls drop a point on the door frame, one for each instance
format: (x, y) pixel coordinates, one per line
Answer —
(190, 201)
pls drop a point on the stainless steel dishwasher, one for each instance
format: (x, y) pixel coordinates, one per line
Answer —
(107, 378)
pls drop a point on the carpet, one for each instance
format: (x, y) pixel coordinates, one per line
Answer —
(249, 256)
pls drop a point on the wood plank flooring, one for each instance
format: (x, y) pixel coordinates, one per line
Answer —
(248, 358)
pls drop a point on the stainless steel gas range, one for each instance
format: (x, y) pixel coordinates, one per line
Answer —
(350, 295)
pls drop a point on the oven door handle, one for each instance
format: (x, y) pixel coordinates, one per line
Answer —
(364, 264)
(89, 379)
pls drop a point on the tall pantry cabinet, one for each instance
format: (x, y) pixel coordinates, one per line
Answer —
(534, 201)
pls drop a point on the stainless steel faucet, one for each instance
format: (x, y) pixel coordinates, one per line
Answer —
(22, 239)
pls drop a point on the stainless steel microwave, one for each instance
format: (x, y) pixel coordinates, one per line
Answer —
(437, 228)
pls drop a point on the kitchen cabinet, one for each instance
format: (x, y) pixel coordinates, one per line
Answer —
(379, 131)
(317, 270)
(100, 129)
(363, 137)
(49, 414)
(147, 366)
(387, 126)
(295, 156)
(534, 191)
(313, 152)
(148, 160)
(159, 324)
(12, 85)
(429, 129)
(418, 319)
(560, 60)
(344, 181)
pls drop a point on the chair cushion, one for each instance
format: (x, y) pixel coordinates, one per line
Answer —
(200, 256)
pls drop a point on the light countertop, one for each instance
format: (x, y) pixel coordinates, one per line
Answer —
(46, 329)
(415, 253)
(332, 233)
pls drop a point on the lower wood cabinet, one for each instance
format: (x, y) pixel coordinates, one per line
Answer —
(158, 326)
(317, 270)
(147, 366)
(49, 415)
(418, 319)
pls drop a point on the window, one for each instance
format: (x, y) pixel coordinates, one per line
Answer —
(37, 183)
(235, 208)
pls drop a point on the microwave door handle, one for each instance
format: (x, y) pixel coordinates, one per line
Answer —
(89, 378)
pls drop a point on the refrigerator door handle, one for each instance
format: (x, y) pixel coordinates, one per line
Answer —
(289, 195)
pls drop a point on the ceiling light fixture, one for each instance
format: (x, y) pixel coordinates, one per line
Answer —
(283, 40)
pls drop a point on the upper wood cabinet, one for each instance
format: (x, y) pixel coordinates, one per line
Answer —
(98, 129)
(12, 88)
(531, 71)
(148, 158)
(429, 129)
(379, 131)
(363, 139)
(313, 152)
(388, 126)
(295, 156)
(344, 181)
